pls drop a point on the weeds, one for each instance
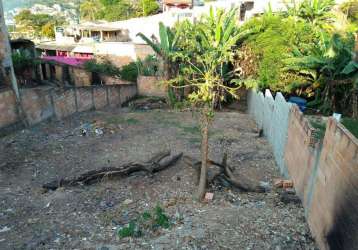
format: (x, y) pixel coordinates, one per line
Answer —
(320, 129)
(121, 120)
(150, 220)
(352, 125)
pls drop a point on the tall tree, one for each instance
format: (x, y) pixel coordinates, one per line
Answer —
(89, 9)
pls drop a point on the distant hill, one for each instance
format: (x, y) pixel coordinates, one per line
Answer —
(11, 4)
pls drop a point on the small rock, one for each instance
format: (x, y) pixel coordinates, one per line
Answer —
(208, 197)
(127, 201)
(5, 229)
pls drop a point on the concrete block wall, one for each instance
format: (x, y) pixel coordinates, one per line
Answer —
(324, 174)
(46, 102)
(273, 118)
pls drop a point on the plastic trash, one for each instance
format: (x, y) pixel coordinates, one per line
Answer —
(301, 103)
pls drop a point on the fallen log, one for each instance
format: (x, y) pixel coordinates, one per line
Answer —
(157, 163)
(226, 172)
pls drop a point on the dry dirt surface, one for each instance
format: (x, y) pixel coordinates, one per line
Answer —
(89, 217)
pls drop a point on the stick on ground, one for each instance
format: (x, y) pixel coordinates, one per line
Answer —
(157, 163)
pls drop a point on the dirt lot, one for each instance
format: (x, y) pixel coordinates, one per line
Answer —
(88, 217)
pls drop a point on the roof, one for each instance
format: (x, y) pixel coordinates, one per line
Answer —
(83, 49)
(56, 46)
(177, 2)
(21, 41)
(73, 61)
(98, 26)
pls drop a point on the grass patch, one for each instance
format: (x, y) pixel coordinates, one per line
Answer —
(132, 121)
(122, 120)
(352, 125)
(190, 129)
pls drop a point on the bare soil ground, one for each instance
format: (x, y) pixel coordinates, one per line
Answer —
(88, 217)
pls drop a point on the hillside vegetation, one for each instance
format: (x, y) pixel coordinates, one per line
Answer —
(11, 4)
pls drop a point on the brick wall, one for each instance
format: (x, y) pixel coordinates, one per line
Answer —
(109, 80)
(46, 102)
(8, 111)
(100, 97)
(332, 212)
(301, 153)
(127, 92)
(85, 99)
(64, 102)
(324, 173)
(80, 76)
(36, 103)
(150, 86)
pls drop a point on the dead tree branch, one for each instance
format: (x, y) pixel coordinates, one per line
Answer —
(157, 163)
(227, 173)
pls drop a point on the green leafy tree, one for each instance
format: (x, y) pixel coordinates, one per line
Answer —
(271, 42)
(90, 9)
(40, 24)
(147, 7)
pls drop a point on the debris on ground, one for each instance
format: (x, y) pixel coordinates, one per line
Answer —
(208, 197)
(148, 103)
(155, 164)
(280, 183)
(89, 216)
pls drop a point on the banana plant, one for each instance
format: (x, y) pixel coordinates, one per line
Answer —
(163, 48)
(331, 63)
(315, 11)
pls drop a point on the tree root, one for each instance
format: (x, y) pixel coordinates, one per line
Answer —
(225, 172)
(157, 163)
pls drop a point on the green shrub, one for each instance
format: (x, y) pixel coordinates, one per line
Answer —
(129, 72)
(22, 60)
(131, 230)
(160, 218)
(352, 125)
(271, 43)
(106, 68)
(150, 220)
(149, 66)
